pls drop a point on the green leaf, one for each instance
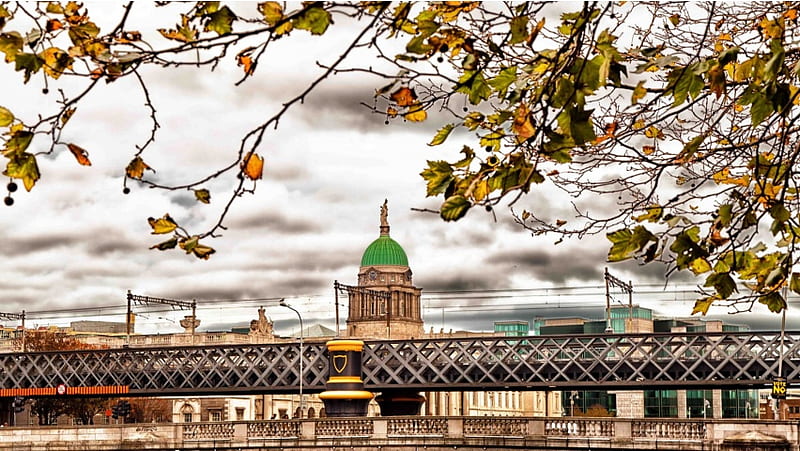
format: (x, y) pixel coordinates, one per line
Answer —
(774, 301)
(503, 80)
(169, 244)
(19, 141)
(6, 117)
(627, 242)
(760, 109)
(794, 283)
(315, 19)
(723, 283)
(162, 225)
(272, 12)
(690, 149)
(23, 166)
(441, 135)
(725, 214)
(202, 195)
(439, 174)
(221, 21)
(638, 93)
(653, 214)
(454, 208)
(492, 141)
(519, 30)
(699, 266)
(474, 85)
(29, 63)
(11, 44)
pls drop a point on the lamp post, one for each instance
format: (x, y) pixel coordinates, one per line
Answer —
(284, 304)
(572, 397)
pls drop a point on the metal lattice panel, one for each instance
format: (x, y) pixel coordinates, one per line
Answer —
(216, 369)
(615, 361)
(538, 363)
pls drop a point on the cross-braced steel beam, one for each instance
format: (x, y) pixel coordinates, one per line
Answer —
(514, 363)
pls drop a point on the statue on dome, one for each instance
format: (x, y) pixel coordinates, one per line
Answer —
(385, 213)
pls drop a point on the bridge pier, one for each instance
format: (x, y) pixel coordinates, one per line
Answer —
(345, 395)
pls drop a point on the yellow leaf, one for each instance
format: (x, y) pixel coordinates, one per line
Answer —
(136, 168)
(638, 92)
(523, 127)
(162, 225)
(55, 61)
(700, 265)
(653, 132)
(481, 190)
(253, 166)
(80, 154)
(639, 124)
(416, 114)
(648, 150)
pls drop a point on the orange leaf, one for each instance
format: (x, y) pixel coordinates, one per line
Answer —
(253, 166)
(404, 97)
(391, 112)
(648, 150)
(247, 64)
(790, 14)
(80, 154)
(136, 168)
(53, 25)
(523, 127)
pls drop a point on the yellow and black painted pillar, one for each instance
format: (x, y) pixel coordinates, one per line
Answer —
(345, 395)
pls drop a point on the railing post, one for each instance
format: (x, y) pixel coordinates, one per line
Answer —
(380, 428)
(307, 430)
(455, 427)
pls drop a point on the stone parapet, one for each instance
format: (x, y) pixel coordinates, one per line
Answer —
(400, 433)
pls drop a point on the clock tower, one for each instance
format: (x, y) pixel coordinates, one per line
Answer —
(388, 304)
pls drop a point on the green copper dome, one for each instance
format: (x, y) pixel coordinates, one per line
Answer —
(384, 251)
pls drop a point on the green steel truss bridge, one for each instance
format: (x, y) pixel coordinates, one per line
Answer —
(610, 361)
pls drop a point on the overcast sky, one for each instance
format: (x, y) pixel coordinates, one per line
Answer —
(76, 241)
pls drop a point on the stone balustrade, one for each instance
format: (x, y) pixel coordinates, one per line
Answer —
(406, 432)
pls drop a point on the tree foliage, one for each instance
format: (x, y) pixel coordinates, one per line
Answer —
(82, 409)
(685, 113)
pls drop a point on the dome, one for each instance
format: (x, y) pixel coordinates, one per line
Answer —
(384, 252)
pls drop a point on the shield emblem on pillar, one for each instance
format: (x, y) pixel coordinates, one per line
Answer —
(339, 362)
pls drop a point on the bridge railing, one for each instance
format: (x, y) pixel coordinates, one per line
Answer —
(519, 432)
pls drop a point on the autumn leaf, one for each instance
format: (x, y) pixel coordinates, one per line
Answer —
(316, 20)
(441, 135)
(53, 25)
(136, 168)
(454, 208)
(404, 97)
(648, 150)
(80, 154)
(246, 62)
(6, 117)
(202, 195)
(169, 244)
(56, 61)
(253, 166)
(416, 113)
(522, 126)
(162, 225)
(638, 93)
(193, 246)
(272, 12)
(23, 166)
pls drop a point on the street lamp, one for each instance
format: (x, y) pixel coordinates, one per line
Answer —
(284, 304)
(572, 397)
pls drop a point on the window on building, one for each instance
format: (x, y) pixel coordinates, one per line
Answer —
(187, 417)
(660, 404)
(699, 404)
(239, 413)
(215, 415)
(740, 404)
